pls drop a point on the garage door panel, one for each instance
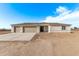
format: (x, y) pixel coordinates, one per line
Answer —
(30, 29)
(17, 29)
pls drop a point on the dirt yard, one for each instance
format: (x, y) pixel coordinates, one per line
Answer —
(4, 31)
(47, 44)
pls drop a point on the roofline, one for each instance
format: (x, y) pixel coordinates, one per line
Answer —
(40, 23)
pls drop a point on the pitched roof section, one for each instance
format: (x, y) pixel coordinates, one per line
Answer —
(59, 24)
(35, 24)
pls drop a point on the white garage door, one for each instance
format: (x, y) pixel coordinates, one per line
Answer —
(30, 29)
(17, 29)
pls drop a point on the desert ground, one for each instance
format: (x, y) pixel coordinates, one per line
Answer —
(45, 44)
(4, 31)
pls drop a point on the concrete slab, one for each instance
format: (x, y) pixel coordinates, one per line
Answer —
(17, 37)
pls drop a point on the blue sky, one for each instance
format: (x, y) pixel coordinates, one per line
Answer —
(38, 12)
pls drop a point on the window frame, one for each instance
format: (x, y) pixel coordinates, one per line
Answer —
(63, 27)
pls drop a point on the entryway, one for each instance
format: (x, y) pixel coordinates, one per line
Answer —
(43, 28)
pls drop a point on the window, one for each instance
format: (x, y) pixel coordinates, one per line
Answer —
(63, 28)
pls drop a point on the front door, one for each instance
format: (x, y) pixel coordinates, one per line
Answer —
(41, 28)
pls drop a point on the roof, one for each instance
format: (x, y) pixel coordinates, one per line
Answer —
(35, 24)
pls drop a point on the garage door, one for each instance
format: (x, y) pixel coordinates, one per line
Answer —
(17, 29)
(30, 29)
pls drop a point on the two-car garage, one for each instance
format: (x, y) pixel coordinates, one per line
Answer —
(25, 29)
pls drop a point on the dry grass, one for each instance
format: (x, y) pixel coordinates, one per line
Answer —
(46, 44)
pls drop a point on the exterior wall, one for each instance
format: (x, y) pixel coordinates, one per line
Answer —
(59, 29)
(38, 29)
(49, 28)
(12, 29)
(21, 29)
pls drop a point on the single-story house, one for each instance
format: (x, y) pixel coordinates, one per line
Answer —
(40, 27)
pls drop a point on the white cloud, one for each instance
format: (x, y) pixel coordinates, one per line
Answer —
(65, 16)
(61, 9)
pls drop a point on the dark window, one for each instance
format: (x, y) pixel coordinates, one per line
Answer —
(63, 28)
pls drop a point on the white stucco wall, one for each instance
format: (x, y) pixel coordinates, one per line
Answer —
(49, 27)
(38, 29)
(59, 29)
(12, 29)
(21, 29)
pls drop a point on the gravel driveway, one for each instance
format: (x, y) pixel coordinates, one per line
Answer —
(17, 37)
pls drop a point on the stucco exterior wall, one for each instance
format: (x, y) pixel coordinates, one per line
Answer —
(59, 29)
(12, 29)
(38, 29)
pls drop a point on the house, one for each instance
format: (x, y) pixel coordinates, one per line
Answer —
(40, 27)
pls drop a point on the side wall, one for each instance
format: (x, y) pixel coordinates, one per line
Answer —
(59, 29)
(38, 29)
(12, 29)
